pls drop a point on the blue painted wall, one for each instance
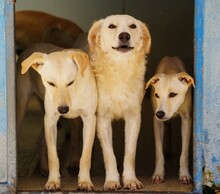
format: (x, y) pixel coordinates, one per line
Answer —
(3, 104)
(7, 96)
(211, 92)
(198, 99)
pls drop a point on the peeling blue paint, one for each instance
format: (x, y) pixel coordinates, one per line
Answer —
(214, 159)
(198, 99)
(206, 136)
(211, 88)
(3, 97)
(7, 132)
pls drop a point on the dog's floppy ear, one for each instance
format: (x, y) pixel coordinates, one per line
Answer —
(185, 78)
(146, 37)
(36, 61)
(94, 35)
(80, 58)
(152, 81)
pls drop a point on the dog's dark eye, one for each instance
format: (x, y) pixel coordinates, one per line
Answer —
(133, 26)
(69, 84)
(172, 94)
(156, 95)
(112, 26)
(51, 84)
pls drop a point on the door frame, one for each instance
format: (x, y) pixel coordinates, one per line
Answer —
(8, 172)
(7, 99)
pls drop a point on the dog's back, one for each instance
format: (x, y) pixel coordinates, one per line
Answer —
(170, 65)
(44, 28)
(38, 47)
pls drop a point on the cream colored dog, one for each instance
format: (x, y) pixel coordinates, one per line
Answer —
(118, 47)
(29, 85)
(171, 96)
(70, 91)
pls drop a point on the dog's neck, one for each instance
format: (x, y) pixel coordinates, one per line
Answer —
(116, 59)
(107, 69)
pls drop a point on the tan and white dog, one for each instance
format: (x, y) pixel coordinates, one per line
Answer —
(34, 26)
(70, 91)
(118, 47)
(171, 96)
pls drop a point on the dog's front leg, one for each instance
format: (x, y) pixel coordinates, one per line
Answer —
(50, 123)
(184, 175)
(84, 180)
(132, 128)
(104, 131)
(158, 176)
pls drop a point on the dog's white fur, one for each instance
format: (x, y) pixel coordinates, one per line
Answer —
(171, 96)
(120, 81)
(69, 82)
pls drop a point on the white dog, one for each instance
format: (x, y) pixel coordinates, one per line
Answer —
(118, 47)
(171, 96)
(70, 91)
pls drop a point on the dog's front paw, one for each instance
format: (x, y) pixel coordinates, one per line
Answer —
(133, 185)
(112, 186)
(85, 186)
(159, 178)
(185, 179)
(52, 185)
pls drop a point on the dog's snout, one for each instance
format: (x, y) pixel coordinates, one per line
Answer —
(160, 114)
(63, 109)
(124, 37)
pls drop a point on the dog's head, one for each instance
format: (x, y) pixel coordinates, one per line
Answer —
(169, 93)
(59, 72)
(119, 34)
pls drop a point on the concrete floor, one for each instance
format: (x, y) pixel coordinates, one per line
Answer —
(69, 184)
(30, 179)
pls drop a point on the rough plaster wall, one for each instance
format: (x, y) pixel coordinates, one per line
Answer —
(211, 106)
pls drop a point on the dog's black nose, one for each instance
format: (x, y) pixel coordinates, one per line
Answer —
(63, 109)
(160, 114)
(124, 37)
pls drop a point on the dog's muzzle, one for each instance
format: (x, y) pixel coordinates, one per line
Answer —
(124, 45)
(63, 109)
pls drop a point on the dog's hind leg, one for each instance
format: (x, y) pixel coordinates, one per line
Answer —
(23, 95)
(104, 132)
(132, 128)
(158, 176)
(184, 175)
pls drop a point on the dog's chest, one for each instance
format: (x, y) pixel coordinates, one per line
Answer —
(73, 113)
(120, 89)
